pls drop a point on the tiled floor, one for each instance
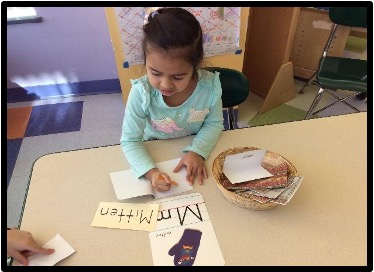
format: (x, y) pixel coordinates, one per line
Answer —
(47, 126)
(249, 108)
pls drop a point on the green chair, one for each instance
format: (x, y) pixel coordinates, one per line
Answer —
(235, 90)
(335, 73)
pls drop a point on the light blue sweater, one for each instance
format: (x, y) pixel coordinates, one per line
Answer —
(147, 117)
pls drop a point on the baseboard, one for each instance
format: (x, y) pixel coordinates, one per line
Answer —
(63, 90)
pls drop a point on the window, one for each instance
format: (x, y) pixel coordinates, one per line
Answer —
(20, 15)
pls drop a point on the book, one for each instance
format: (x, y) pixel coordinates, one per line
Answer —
(184, 234)
(278, 181)
(126, 185)
(279, 195)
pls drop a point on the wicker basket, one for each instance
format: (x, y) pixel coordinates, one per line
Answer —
(232, 196)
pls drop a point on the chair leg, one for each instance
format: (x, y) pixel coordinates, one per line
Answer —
(338, 101)
(314, 104)
(231, 118)
(226, 120)
(308, 83)
(234, 119)
(361, 96)
(343, 99)
(229, 125)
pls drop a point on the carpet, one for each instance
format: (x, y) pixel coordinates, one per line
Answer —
(55, 118)
(12, 150)
(281, 114)
(17, 120)
(356, 44)
(36, 121)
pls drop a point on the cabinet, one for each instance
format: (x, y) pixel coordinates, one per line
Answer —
(268, 45)
(266, 63)
(312, 31)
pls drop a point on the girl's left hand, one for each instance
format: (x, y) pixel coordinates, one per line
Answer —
(195, 167)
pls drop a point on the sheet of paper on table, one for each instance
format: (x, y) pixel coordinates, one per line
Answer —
(62, 250)
(245, 166)
(126, 185)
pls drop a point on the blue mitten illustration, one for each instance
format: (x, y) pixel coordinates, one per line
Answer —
(186, 249)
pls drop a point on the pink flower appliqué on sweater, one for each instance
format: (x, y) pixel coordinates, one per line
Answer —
(166, 125)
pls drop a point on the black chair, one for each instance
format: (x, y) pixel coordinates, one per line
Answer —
(235, 90)
(335, 73)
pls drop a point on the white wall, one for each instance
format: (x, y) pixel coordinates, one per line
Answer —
(72, 44)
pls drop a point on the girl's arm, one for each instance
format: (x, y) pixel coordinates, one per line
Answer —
(206, 138)
(132, 132)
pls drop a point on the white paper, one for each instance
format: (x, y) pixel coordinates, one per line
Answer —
(62, 250)
(245, 166)
(126, 185)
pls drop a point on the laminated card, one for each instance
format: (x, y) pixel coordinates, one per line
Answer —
(184, 234)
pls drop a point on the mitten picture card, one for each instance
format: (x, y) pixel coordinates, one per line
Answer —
(184, 234)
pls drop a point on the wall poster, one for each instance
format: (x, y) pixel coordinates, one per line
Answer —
(221, 30)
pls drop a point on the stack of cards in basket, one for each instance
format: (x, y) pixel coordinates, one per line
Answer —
(278, 188)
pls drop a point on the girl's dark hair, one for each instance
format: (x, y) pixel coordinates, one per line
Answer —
(174, 28)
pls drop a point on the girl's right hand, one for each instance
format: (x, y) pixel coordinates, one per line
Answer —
(160, 181)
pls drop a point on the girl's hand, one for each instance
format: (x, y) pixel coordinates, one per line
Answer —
(195, 167)
(160, 181)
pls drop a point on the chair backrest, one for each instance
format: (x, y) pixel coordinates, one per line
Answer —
(340, 72)
(346, 16)
(349, 16)
(235, 86)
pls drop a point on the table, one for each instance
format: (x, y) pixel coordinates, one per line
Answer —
(325, 223)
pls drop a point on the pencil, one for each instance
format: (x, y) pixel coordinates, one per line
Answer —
(174, 183)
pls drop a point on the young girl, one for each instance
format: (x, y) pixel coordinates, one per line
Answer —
(174, 99)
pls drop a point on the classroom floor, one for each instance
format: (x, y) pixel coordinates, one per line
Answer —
(249, 108)
(37, 128)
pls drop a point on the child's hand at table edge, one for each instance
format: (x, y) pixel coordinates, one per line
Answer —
(195, 167)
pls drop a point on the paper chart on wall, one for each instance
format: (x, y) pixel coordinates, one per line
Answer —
(184, 234)
(220, 25)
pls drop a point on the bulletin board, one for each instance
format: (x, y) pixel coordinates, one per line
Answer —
(220, 25)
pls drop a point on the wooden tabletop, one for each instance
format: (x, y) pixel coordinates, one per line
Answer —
(325, 223)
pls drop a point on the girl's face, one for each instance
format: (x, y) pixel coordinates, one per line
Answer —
(169, 74)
